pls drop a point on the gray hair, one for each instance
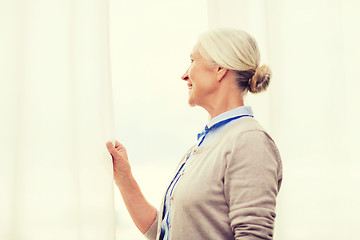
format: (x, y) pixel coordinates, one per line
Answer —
(236, 50)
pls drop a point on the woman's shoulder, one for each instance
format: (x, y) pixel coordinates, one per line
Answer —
(248, 138)
(245, 125)
(248, 132)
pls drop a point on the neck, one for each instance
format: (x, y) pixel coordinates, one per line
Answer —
(224, 101)
(222, 108)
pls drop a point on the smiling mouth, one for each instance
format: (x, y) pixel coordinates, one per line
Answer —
(189, 86)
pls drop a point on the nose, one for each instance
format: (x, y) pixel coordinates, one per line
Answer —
(185, 76)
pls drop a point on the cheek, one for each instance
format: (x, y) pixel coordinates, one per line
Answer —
(190, 73)
(194, 72)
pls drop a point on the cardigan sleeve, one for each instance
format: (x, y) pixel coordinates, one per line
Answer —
(251, 183)
(152, 231)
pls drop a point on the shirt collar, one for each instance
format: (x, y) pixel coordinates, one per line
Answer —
(242, 110)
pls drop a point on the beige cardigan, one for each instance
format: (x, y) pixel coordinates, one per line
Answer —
(228, 190)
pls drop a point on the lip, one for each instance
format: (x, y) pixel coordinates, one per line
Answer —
(189, 86)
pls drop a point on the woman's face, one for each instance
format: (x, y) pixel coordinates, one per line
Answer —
(201, 80)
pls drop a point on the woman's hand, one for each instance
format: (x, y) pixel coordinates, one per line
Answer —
(141, 211)
(121, 165)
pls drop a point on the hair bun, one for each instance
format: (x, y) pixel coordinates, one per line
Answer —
(261, 79)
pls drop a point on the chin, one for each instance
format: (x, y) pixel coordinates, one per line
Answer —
(191, 102)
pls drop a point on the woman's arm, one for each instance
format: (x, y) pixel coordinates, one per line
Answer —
(251, 185)
(142, 213)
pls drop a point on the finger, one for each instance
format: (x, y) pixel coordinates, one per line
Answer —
(110, 147)
(118, 144)
(109, 144)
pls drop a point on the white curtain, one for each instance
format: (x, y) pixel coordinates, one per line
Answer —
(311, 108)
(56, 115)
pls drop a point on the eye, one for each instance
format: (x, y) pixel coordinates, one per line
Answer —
(191, 60)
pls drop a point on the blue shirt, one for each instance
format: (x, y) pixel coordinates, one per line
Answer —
(211, 136)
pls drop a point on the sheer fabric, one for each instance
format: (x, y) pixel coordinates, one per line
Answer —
(56, 115)
(311, 107)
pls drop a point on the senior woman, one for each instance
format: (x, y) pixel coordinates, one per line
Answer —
(226, 185)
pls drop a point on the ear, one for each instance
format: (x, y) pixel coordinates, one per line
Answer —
(221, 72)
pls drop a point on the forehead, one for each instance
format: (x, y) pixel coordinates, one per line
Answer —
(195, 53)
